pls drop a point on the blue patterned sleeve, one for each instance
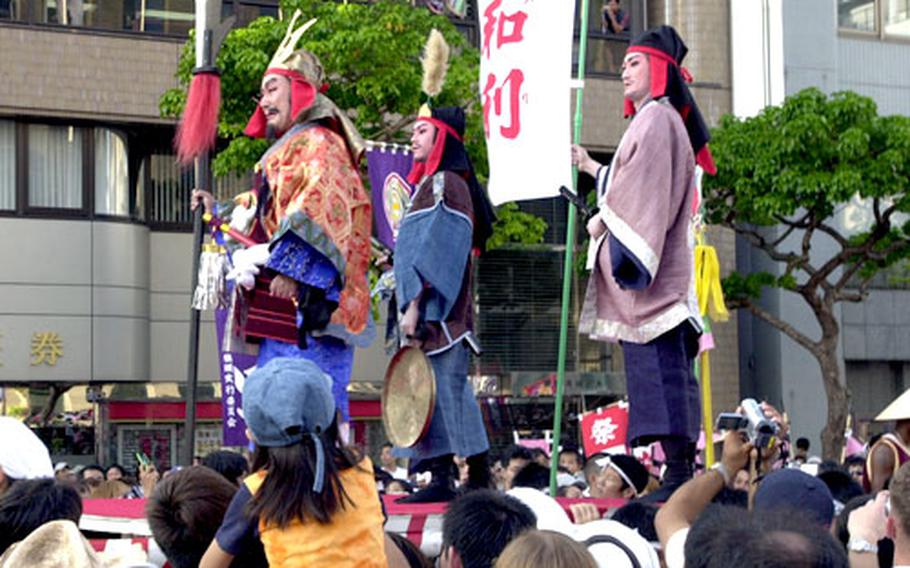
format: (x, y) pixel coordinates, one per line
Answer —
(293, 257)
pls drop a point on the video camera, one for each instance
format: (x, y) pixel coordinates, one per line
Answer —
(761, 431)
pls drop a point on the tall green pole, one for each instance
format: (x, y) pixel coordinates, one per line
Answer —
(570, 250)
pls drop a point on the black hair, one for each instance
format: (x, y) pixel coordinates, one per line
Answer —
(287, 492)
(516, 452)
(532, 475)
(122, 469)
(724, 536)
(481, 523)
(537, 452)
(29, 503)
(91, 466)
(638, 516)
(802, 444)
(387, 445)
(411, 552)
(184, 513)
(855, 459)
(572, 450)
(230, 464)
(733, 497)
(841, 484)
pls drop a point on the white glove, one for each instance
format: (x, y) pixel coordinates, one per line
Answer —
(246, 265)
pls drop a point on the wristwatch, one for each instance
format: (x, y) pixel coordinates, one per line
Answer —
(858, 544)
(722, 469)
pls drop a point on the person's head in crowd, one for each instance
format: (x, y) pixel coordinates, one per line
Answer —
(856, 465)
(512, 461)
(386, 459)
(184, 513)
(898, 523)
(63, 472)
(478, 526)
(115, 489)
(92, 474)
(741, 480)
(398, 487)
(55, 544)
(23, 456)
(30, 503)
(574, 490)
(402, 553)
(540, 456)
(232, 465)
(532, 475)
(545, 548)
(842, 487)
(791, 489)
(638, 516)
(114, 471)
(294, 431)
(570, 458)
(733, 497)
(725, 536)
(615, 476)
(801, 452)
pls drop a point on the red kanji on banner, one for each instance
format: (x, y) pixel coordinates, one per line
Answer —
(497, 22)
(513, 82)
(605, 429)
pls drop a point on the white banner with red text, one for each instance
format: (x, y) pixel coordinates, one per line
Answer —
(525, 75)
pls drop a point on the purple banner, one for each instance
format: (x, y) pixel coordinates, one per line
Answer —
(234, 369)
(389, 166)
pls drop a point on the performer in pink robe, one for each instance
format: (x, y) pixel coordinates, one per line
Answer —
(642, 290)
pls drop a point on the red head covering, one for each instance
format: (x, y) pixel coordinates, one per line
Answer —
(303, 93)
(431, 165)
(665, 51)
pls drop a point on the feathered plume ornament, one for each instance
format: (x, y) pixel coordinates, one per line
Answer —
(435, 63)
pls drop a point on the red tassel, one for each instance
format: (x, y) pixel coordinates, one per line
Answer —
(199, 124)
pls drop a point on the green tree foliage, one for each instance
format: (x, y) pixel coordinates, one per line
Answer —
(782, 178)
(371, 53)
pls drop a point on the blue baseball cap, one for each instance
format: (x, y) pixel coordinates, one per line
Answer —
(794, 489)
(286, 399)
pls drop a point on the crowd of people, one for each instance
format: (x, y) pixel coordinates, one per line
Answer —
(307, 499)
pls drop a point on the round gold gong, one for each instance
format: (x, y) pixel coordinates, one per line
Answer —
(408, 396)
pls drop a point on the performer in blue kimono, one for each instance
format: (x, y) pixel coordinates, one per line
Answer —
(449, 216)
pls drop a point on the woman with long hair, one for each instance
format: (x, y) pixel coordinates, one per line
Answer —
(312, 501)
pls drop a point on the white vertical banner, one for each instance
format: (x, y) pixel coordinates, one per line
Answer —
(525, 74)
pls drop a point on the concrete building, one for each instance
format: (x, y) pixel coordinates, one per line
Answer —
(96, 245)
(858, 45)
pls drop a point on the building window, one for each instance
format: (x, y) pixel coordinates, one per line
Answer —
(7, 165)
(168, 189)
(897, 17)
(883, 18)
(112, 176)
(55, 167)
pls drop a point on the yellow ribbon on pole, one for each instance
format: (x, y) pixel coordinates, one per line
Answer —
(711, 305)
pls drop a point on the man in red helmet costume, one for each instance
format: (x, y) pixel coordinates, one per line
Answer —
(311, 212)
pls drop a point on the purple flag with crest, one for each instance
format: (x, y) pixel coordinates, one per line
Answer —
(389, 165)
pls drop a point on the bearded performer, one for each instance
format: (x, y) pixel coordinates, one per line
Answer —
(448, 217)
(642, 290)
(312, 214)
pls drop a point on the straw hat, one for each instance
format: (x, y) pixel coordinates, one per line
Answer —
(899, 409)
